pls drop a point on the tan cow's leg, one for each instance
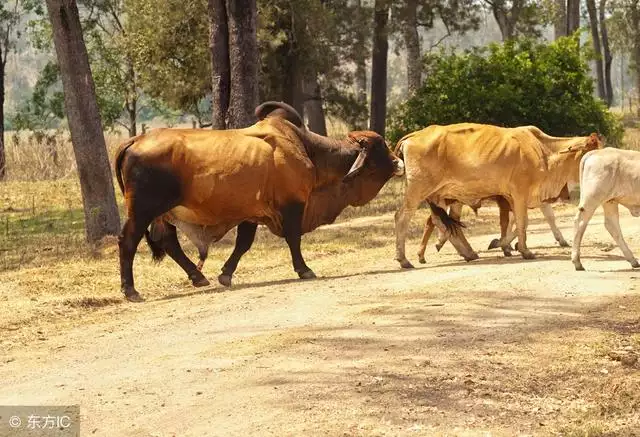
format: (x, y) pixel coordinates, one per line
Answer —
(428, 230)
(579, 226)
(457, 238)
(520, 212)
(507, 223)
(612, 223)
(547, 211)
(412, 198)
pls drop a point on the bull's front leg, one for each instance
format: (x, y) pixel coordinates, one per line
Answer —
(520, 211)
(292, 216)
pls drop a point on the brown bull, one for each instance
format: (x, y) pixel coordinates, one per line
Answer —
(470, 162)
(207, 182)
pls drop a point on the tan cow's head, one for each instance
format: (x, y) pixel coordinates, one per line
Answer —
(577, 150)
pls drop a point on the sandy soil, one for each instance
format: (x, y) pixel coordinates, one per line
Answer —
(495, 347)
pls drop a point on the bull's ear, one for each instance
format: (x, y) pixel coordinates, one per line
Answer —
(358, 164)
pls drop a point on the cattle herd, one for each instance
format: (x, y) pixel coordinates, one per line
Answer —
(280, 174)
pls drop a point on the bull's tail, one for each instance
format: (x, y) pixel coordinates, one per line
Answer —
(154, 236)
(122, 149)
(454, 226)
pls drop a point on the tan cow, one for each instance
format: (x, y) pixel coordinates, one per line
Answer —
(207, 182)
(468, 163)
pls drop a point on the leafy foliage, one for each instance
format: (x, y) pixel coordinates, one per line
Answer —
(169, 45)
(518, 83)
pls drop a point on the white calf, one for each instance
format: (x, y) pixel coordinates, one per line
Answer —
(608, 177)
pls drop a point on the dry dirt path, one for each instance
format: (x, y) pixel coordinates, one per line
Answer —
(493, 347)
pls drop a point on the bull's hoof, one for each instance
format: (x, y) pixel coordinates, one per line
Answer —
(439, 246)
(635, 265)
(224, 279)
(579, 268)
(494, 244)
(308, 274)
(471, 258)
(421, 259)
(201, 282)
(563, 243)
(131, 294)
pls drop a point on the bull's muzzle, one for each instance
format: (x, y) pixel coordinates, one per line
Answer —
(399, 167)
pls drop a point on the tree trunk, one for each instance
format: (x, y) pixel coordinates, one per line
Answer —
(505, 25)
(313, 107)
(96, 182)
(244, 61)
(573, 16)
(221, 78)
(292, 81)
(132, 105)
(412, 41)
(595, 36)
(379, 67)
(132, 109)
(3, 160)
(361, 70)
(606, 54)
(560, 19)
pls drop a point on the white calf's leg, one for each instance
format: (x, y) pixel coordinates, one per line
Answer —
(579, 226)
(612, 223)
(547, 211)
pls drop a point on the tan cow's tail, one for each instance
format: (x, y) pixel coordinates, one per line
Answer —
(399, 149)
(454, 226)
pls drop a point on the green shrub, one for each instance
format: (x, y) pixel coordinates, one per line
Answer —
(512, 84)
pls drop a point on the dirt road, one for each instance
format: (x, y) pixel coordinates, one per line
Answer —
(496, 347)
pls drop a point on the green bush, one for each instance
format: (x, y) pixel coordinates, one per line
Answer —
(512, 84)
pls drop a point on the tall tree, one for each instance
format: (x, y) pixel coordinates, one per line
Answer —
(360, 52)
(410, 16)
(624, 31)
(595, 38)
(244, 61)
(220, 71)
(10, 13)
(606, 52)
(234, 56)
(379, 67)
(573, 16)
(516, 17)
(559, 18)
(96, 182)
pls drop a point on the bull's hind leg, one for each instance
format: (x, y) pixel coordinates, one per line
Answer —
(612, 223)
(149, 193)
(244, 239)
(171, 245)
(292, 229)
